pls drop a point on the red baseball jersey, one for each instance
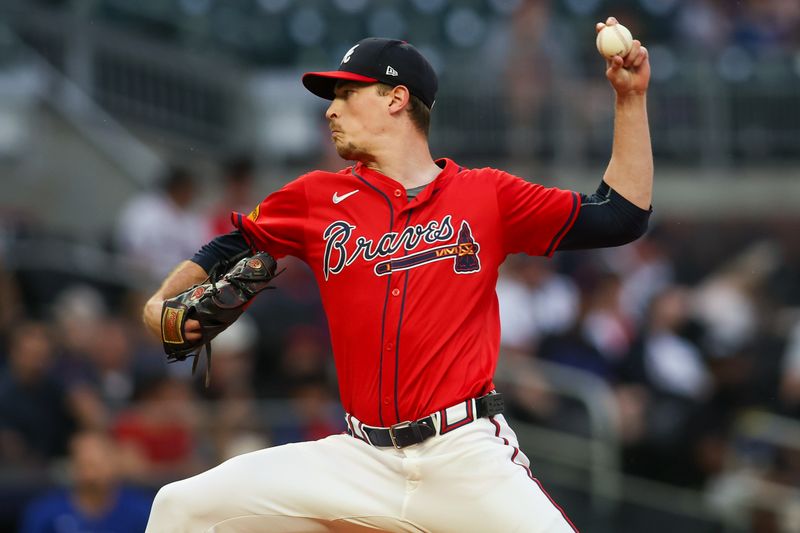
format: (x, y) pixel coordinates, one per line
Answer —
(409, 286)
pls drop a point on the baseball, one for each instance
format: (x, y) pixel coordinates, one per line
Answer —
(614, 40)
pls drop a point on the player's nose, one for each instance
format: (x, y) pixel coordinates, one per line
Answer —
(332, 112)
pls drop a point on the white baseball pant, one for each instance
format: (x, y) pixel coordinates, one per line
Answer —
(472, 479)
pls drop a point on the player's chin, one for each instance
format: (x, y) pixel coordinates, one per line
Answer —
(349, 152)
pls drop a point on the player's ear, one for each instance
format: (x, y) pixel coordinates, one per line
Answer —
(400, 97)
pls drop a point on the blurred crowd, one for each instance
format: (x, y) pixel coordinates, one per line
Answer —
(725, 71)
(689, 327)
(286, 32)
(78, 371)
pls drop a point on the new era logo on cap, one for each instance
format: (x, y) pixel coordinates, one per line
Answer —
(374, 60)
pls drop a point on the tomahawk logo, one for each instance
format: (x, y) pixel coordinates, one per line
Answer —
(463, 251)
(349, 53)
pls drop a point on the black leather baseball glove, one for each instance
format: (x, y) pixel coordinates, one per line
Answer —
(215, 303)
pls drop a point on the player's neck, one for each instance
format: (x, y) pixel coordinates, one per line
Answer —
(409, 162)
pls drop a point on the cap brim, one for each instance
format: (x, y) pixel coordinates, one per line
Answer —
(323, 83)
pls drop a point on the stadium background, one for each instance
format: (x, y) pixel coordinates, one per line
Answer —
(656, 387)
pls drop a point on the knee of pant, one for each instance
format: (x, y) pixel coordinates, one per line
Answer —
(172, 503)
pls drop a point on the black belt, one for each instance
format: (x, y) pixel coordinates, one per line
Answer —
(407, 433)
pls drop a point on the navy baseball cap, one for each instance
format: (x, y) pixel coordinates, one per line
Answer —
(376, 60)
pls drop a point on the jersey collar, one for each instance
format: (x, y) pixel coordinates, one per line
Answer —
(389, 185)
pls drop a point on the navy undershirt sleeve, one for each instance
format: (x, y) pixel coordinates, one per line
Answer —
(219, 249)
(605, 219)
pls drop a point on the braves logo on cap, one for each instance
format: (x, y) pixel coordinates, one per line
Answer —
(349, 53)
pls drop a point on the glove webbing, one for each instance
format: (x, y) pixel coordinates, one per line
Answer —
(213, 278)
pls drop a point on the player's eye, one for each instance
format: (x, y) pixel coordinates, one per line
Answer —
(343, 93)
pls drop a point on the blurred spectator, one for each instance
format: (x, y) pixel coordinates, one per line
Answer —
(294, 306)
(10, 307)
(159, 229)
(237, 425)
(234, 353)
(762, 470)
(725, 303)
(765, 25)
(666, 383)
(600, 340)
(238, 176)
(703, 25)
(531, 397)
(157, 433)
(303, 371)
(536, 304)
(534, 301)
(304, 358)
(95, 501)
(790, 381)
(315, 415)
(669, 362)
(111, 360)
(530, 60)
(646, 269)
(606, 324)
(147, 351)
(77, 313)
(36, 417)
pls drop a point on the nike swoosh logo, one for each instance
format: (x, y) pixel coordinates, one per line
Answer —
(337, 198)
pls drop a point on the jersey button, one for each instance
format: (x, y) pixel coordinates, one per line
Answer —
(386, 401)
(396, 292)
(389, 347)
(398, 193)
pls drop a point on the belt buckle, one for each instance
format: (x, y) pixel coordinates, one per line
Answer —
(399, 425)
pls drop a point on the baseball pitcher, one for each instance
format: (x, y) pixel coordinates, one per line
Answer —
(406, 251)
